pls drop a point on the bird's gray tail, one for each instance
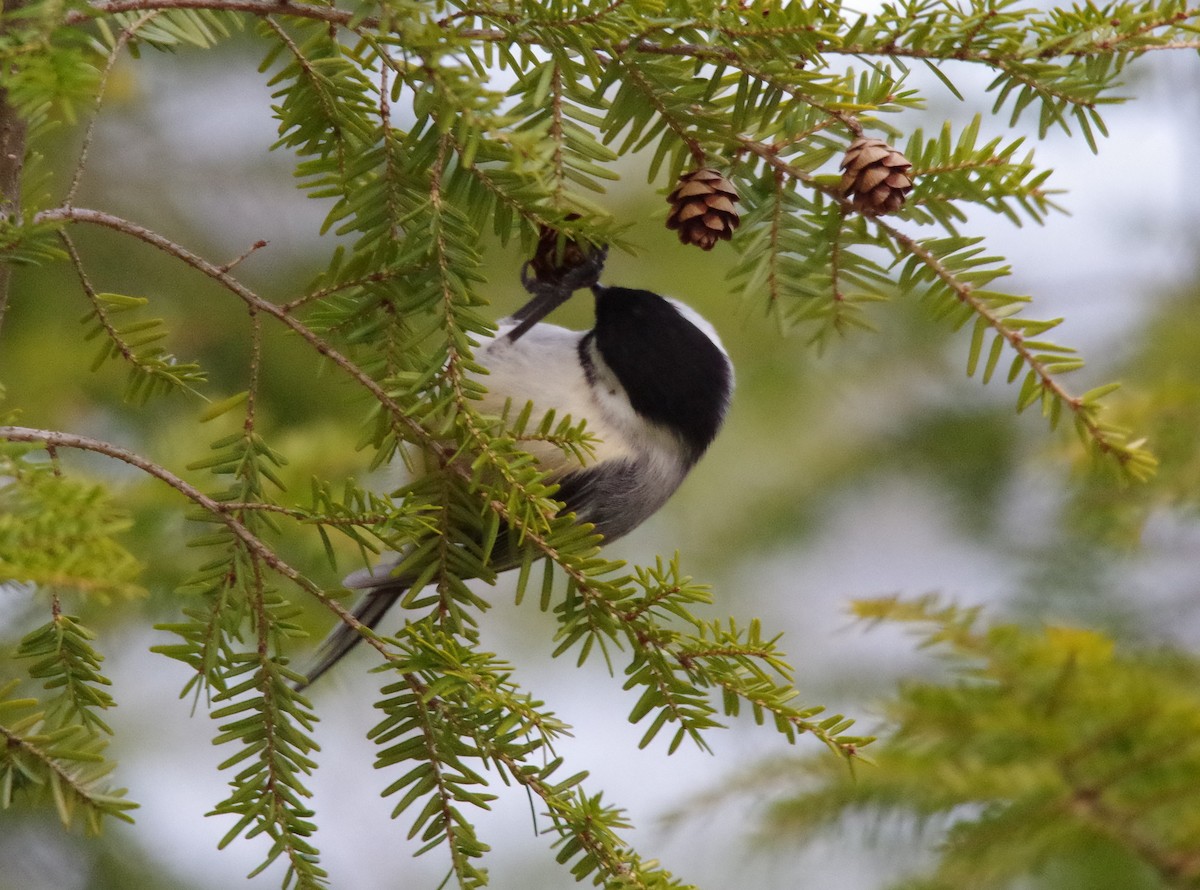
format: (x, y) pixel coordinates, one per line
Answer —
(343, 638)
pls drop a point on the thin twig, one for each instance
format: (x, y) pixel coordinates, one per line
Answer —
(306, 516)
(94, 298)
(256, 246)
(54, 439)
(12, 156)
(255, 369)
(101, 88)
(344, 17)
(234, 286)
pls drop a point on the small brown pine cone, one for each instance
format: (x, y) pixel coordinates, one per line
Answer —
(702, 208)
(875, 177)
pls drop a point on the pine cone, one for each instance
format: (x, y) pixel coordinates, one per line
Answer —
(555, 255)
(702, 208)
(875, 177)
(560, 260)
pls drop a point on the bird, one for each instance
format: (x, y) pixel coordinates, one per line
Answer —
(651, 379)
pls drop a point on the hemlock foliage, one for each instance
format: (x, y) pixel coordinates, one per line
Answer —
(393, 115)
(1050, 758)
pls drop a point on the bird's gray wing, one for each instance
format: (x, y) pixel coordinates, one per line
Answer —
(581, 491)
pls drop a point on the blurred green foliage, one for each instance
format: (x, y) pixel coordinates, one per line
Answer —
(1049, 757)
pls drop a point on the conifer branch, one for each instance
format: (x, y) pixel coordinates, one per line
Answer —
(746, 85)
(1130, 41)
(1052, 735)
(221, 511)
(234, 286)
(71, 786)
(1129, 455)
(68, 662)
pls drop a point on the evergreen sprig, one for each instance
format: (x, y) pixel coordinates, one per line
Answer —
(54, 747)
(1047, 750)
(67, 662)
(271, 723)
(152, 370)
(273, 726)
(47, 755)
(29, 245)
(456, 707)
(60, 533)
(949, 172)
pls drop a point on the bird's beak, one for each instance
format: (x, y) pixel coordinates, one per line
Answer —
(543, 303)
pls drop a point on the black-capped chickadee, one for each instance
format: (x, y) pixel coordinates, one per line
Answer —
(651, 379)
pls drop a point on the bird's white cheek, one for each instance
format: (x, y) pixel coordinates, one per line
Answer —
(636, 435)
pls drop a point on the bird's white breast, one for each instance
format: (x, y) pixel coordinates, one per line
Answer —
(544, 367)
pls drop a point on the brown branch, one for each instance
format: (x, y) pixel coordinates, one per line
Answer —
(362, 281)
(234, 286)
(54, 439)
(12, 157)
(264, 8)
(1015, 340)
(344, 17)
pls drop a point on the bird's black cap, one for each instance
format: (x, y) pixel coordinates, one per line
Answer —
(673, 371)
